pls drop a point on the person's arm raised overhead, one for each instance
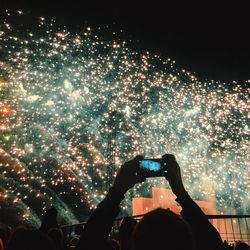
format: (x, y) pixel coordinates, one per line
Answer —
(100, 223)
(206, 236)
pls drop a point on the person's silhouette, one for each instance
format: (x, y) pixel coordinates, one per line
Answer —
(159, 229)
(50, 220)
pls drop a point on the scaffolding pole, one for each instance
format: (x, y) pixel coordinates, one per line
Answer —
(111, 166)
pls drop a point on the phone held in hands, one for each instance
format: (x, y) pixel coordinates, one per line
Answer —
(152, 168)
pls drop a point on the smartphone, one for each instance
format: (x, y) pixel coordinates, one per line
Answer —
(151, 168)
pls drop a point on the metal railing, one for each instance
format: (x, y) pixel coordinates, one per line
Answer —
(232, 228)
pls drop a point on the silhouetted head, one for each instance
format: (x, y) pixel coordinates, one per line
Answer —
(241, 246)
(52, 213)
(162, 229)
(56, 235)
(30, 240)
(17, 230)
(49, 220)
(126, 230)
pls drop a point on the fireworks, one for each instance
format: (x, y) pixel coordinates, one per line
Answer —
(59, 89)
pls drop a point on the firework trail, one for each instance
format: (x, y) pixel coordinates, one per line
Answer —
(57, 90)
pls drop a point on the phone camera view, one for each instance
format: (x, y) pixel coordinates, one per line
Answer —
(151, 168)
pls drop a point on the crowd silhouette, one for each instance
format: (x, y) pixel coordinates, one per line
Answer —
(159, 229)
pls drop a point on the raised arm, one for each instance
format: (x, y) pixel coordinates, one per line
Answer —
(206, 236)
(100, 223)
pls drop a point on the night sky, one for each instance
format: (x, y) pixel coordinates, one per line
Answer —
(210, 38)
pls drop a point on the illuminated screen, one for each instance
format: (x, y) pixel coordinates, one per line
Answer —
(150, 165)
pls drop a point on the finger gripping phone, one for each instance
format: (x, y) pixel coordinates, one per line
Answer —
(152, 168)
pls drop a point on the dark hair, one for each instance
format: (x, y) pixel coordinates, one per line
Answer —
(126, 231)
(30, 240)
(162, 229)
(127, 226)
(241, 246)
(56, 235)
(49, 220)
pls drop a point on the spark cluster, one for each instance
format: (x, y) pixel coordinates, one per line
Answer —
(62, 85)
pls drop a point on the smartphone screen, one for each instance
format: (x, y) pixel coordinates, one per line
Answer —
(150, 168)
(150, 165)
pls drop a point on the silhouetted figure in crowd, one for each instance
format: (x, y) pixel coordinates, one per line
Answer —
(56, 235)
(227, 246)
(161, 229)
(239, 245)
(152, 232)
(49, 221)
(126, 229)
(4, 235)
(24, 239)
(17, 231)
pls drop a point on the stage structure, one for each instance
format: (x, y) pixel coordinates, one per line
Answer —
(112, 132)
